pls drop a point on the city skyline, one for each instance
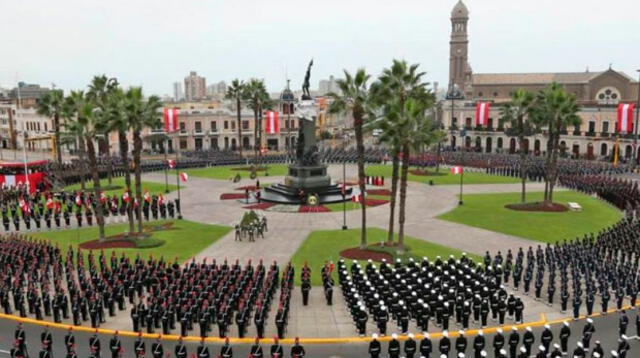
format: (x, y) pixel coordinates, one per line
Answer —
(141, 46)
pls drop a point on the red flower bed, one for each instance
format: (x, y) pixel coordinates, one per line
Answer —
(383, 192)
(260, 206)
(231, 196)
(108, 244)
(247, 187)
(349, 183)
(313, 209)
(375, 202)
(359, 254)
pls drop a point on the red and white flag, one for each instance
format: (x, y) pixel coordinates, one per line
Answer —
(161, 200)
(170, 120)
(147, 196)
(482, 114)
(125, 197)
(171, 163)
(271, 125)
(456, 170)
(24, 205)
(78, 199)
(625, 118)
(184, 177)
(356, 198)
(103, 198)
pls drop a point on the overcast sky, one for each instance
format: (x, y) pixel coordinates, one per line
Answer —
(155, 43)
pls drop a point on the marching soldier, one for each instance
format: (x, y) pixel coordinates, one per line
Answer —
(297, 350)
(256, 348)
(115, 346)
(94, 345)
(157, 351)
(202, 350)
(276, 350)
(226, 351)
(139, 347)
(69, 340)
(180, 350)
(374, 347)
(46, 339)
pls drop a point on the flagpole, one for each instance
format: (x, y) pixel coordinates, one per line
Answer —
(344, 195)
(460, 202)
(166, 165)
(24, 157)
(178, 181)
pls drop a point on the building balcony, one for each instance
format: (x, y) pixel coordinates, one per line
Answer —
(183, 133)
(213, 132)
(590, 134)
(604, 134)
(198, 133)
(577, 133)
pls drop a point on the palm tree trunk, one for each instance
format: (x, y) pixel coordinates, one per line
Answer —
(395, 166)
(124, 155)
(239, 119)
(548, 168)
(554, 173)
(523, 170)
(109, 163)
(255, 136)
(403, 196)
(83, 164)
(357, 126)
(137, 149)
(96, 186)
(56, 129)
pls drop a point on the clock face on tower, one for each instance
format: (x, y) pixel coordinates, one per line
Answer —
(459, 51)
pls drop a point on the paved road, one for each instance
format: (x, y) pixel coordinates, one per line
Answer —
(605, 328)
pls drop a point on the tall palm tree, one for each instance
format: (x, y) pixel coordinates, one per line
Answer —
(396, 84)
(516, 115)
(74, 132)
(100, 89)
(141, 113)
(555, 109)
(90, 122)
(118, 121)
(256, 95)
(236, 92)
(50, 105)
(354, 97)
(417, 131)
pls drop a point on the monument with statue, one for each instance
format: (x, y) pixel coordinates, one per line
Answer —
(307, 181)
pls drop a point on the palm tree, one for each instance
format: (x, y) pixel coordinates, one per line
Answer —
(90, 123)
(100, 88)
(256, 95)
(74, 132)
(555, 109)
(417, 131)
(118, 121)
(354, 97)
(50, 105)
(516, 114)
(236, 92)
(141, 113)
(397, 84)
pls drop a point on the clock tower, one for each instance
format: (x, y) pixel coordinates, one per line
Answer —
(459, 69)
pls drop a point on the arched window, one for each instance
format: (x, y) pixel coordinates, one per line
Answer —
(499, 144)
(604, 150)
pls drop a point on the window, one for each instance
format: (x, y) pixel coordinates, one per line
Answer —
(183, 128)
(480, 94)
(198, 126)
(245, 125)
(214, 126)
(45, 127)
(592, 126)
(495, 94)
(468, 122)
(605, 127)
(233, 125)
(226, 124)
(183, 144)
(38, 126)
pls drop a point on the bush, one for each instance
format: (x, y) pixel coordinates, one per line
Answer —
(148, 242)
(249, 218)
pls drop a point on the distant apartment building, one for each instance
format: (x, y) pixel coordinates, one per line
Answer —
(195, 87)
(178, 93)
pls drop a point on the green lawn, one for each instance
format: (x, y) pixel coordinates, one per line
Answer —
(444, 177)
(184, 240)
(326, 245)
(487, 211)
(118, 183)
(228, 172)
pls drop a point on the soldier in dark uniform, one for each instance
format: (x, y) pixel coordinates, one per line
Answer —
(226, 351)
(145, 210)
(180, 350)
(162, 207)
(154, 207)
(5, 219)
(69, 340)
(56, 217)
(46, 339)
(157, 351)
(276, 350)
(79, 216)
(94, 345)
(67, 218)
(171, 209)
(16, 222)
(297, 350)
(36, 220)
(45, 352)
(89, 214)
(256, 348)
(20, 337)
(202, 351)
(115, 346)
(139, 347)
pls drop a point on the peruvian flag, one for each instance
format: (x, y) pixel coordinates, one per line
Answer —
(103, 198)
(49, 203)
(78, 199)
(125, 197)
(625, 118)
(482, 114)
(147, 196)
(271, 125)
(58, 206)
(161, 200)
(356, 198)
(184, 177)
(171, 163)
(456, 170)
(170, 120)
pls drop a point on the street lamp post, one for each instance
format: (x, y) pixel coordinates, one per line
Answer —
(635, 127)
(454, 94)
(166, 165)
